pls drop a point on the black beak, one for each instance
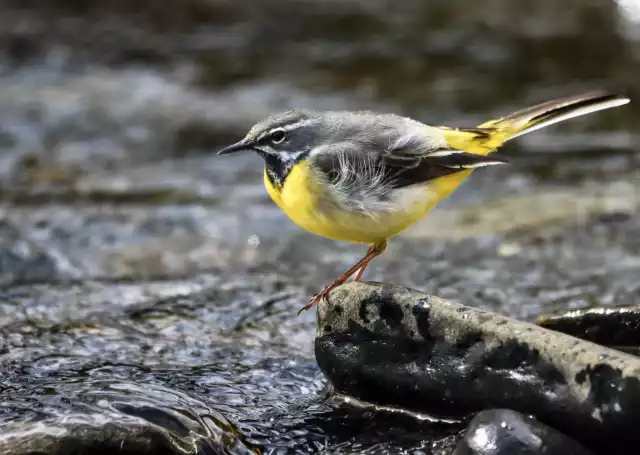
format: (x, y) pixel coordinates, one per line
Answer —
(237, 147)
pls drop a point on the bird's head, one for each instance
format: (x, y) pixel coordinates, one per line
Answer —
(283, 140)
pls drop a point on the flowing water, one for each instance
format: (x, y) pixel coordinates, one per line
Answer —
(146, 280)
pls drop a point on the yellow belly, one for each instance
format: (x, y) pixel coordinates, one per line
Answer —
(304, 201)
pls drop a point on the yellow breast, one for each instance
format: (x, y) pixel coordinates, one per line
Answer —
(308, 203)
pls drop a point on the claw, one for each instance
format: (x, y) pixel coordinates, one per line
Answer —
(312, 302)
(359, 268)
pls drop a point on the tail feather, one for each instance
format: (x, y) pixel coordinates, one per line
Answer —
(545, 114)
(492, 134)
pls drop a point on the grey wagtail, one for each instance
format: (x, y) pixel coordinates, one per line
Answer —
(364, 177)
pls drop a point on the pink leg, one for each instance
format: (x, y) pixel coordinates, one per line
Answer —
(373, 251)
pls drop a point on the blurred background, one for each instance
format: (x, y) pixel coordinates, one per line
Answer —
(110, 114)
(124, 238)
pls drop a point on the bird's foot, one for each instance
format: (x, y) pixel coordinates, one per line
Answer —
(316, 298)
(359, 268)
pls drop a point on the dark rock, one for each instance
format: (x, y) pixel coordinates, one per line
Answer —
(615, 327)
(506, 432)
(125, 438)
(84, 438)
(451, 361)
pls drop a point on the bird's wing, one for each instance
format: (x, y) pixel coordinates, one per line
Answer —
(411, 160)
(395, 162)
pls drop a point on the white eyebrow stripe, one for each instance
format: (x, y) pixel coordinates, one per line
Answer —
(287, 128)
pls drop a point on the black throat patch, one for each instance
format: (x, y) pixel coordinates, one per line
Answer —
(279, 165)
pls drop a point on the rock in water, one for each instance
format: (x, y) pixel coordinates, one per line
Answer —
(83, 436)
(506, 432)
(617, 327)
(395, 346)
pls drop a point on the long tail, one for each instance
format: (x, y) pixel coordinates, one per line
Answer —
(490, 135)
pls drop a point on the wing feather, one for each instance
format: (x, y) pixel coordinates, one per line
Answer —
(413, 161)
(365, 173)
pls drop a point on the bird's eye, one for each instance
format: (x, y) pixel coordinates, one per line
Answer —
(277, 136)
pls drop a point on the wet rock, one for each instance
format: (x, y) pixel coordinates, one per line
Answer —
(395, 346)
(617, 327)
(506, 432)
(147, 430)
(104, 439)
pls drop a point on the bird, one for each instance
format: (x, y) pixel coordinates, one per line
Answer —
(363, 177)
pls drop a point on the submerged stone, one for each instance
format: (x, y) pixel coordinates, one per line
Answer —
(152, 432)
(506, 432)
(395, 346)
